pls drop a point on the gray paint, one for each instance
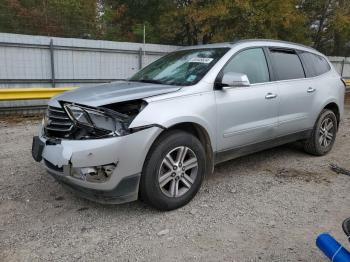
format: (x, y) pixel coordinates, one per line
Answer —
(112, 93)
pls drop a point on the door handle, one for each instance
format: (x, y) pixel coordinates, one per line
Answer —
(311, 90)
(270, 96)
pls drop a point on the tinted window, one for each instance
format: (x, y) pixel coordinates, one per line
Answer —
(315, 65)
(287, 65)
(251, 62)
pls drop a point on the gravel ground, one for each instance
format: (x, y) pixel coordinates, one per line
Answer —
(269, 206)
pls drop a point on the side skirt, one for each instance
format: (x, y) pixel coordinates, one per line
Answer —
(233, 153)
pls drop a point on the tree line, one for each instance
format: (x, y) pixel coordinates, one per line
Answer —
(323, 24)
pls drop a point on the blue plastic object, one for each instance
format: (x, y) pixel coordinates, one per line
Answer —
(332, 249)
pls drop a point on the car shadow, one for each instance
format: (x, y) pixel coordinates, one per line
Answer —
(138, 207)
(260, 159)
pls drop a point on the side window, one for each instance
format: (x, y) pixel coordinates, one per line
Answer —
(286, 64)
(251, 62)
(315, 65)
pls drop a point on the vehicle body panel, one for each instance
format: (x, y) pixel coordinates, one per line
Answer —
(245, 116)
(112, 93)
(117, 150)
(294, 106)
(168, 112)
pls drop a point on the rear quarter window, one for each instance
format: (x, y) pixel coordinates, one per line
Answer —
(286, 65)
(315, 65)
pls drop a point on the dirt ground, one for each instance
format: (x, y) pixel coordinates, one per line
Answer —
(269, 206)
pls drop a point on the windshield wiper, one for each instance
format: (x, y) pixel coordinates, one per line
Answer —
(152, 81)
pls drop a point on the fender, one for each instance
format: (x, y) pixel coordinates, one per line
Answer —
(329, 101)
(198, 108)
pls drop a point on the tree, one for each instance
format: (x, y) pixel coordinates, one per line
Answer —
(328, 22)
(69, 18)
(325, 24)
(341, 31)
(124, 19)
(202, 21)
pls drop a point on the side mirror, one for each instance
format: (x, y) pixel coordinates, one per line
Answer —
(231, 79)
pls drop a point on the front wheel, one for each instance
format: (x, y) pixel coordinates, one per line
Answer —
(323, 135)
(173, 171)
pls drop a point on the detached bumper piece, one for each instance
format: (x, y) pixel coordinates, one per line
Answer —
(37, 148)
(125, 191)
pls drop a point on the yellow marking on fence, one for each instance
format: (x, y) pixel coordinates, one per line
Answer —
(347, 82)
(31, 93)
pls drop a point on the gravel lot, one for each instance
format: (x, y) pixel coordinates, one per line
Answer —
(269, 206)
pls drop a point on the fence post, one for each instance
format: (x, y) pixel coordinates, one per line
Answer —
(140, 58)
(52, 60)
(342, 67)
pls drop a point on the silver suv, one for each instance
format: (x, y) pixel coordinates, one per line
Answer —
(156, 135)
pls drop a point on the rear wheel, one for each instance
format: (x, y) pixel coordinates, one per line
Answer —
(323, 135)
(173, 171)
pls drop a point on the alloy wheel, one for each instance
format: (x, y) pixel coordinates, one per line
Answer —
(326, 132)
(178, 171)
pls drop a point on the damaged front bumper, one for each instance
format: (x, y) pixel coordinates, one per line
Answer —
(62, 158)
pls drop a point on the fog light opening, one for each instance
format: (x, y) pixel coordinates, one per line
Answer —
(96, 174)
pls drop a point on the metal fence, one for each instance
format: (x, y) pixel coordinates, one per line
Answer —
(342, 64)
(51, 62)
(39, 61)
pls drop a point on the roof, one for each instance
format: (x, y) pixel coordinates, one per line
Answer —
(264, 42)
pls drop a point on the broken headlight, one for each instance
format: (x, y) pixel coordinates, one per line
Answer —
(99, 121)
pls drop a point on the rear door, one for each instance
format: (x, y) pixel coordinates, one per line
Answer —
(247, 115)
(317, 71)
(296, 92)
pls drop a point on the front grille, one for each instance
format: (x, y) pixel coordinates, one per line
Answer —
(58, 123)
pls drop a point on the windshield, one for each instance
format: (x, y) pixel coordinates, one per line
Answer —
(182, 68)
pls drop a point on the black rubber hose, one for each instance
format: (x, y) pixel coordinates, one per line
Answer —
(346, 227)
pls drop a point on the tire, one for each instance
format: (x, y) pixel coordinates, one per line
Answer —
(315, 145)
(159, 182)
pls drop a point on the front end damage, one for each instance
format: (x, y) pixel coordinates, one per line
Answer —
(78, 122)
(92, 150)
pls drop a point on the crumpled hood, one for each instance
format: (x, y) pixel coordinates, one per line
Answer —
(112, 93)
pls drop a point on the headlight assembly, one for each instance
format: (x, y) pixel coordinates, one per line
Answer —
(100, 121)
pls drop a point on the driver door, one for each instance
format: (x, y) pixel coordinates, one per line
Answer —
(247, 115)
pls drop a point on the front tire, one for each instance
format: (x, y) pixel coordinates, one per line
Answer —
(323, 134)
(173, 171)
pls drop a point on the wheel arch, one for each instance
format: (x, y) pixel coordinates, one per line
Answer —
(335, 109)
(200, 133)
